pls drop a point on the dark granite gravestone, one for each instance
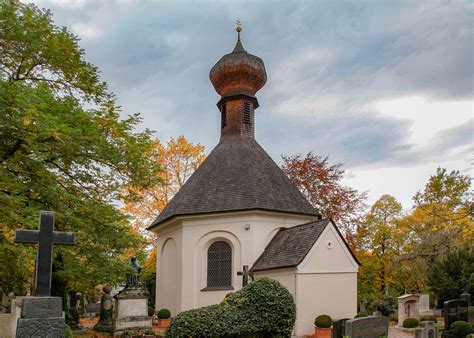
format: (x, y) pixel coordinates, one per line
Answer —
(454, 310)
(339, 328)
(41, 316)
(367, 327)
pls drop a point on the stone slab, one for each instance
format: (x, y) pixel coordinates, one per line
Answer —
(454, 310)
(132, 307)
(367, 327)
(41, 328)
(41, 307)
(132, 322)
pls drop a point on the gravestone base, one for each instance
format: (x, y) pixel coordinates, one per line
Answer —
(132, 312)
(41, 317)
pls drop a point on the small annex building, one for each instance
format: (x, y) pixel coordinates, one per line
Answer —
(239, 208)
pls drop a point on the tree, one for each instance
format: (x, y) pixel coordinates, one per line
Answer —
(377, 236)
(449, 276)
(321, 183)
(178, 160)
(57, 155)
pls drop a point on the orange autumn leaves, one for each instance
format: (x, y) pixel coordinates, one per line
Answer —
(178, 159)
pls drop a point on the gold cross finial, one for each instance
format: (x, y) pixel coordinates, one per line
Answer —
(239, 26)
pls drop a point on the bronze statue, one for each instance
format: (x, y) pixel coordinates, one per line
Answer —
(133, 275)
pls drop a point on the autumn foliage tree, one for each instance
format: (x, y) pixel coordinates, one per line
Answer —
(321, 183)
(178, 159)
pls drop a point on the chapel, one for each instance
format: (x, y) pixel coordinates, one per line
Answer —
(239, 209)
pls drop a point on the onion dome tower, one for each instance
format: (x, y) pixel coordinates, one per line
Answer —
(238, 175)
(236, 77)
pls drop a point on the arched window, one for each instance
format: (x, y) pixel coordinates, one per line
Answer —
(219, 265)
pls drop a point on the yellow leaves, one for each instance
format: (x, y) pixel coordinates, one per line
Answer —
(178, 159)
(26, 121)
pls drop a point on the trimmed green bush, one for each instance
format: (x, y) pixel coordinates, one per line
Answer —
(164, 314)
(68, 331)
(263, 307)
(428, 318)
(323, 321)
(460, 328)
(410, 323)
(149, 332)
(151, 311)
(361, 314)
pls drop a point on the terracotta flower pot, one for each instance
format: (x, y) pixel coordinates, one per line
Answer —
(163, 323)
(322, 332)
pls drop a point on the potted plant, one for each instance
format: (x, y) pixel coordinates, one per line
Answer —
(163, 318)
(323, 325)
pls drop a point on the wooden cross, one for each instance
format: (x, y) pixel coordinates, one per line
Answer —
(46, 237)
(245, 275)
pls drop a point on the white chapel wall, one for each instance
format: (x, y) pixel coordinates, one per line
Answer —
(198, 232)
(168, 267)
(329, 254)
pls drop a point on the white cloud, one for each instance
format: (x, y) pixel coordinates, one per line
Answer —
(427, 118)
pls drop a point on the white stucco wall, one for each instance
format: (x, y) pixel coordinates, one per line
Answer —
(325, 282)
(193, 236)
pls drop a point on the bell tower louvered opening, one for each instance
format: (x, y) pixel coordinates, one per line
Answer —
(247, 111)
(223, 116)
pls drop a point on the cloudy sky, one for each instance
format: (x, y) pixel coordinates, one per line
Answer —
(384, 87)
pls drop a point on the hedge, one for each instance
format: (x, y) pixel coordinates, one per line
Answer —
(262, 308)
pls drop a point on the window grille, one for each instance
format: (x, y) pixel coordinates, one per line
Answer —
(247, 112)
(223, 116)
(219, 265)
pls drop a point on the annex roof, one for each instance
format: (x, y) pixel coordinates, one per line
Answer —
(290, 246)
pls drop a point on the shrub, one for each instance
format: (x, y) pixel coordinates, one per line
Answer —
(361, 314)
(150, 332)
(460, 328)
(323, 321)
(68, 332)
(428, 318)
(164, 314)
(410, 323)
(151, 311)
(263, 307)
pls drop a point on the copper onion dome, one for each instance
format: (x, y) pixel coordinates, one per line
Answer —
(238, 72)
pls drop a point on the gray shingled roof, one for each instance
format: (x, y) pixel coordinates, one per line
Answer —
(237, 175)
(290, 246)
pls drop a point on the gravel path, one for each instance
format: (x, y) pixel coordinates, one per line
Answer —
(395, 332)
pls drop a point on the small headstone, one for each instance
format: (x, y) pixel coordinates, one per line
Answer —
(424, 303)
(408, 307)
(106, 311)
(427, 330)
(453, 311)
(339, 328)
(367, 327)
(466, 296)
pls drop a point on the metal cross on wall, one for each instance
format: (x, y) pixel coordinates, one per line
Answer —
(46, 237)
(245, 273)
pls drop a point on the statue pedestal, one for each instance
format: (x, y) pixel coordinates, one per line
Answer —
(131, 312)
(41, 317)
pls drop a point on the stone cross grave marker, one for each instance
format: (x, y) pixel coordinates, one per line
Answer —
(45, 237)
(454, 310)
(245, 273)
(367, 327)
